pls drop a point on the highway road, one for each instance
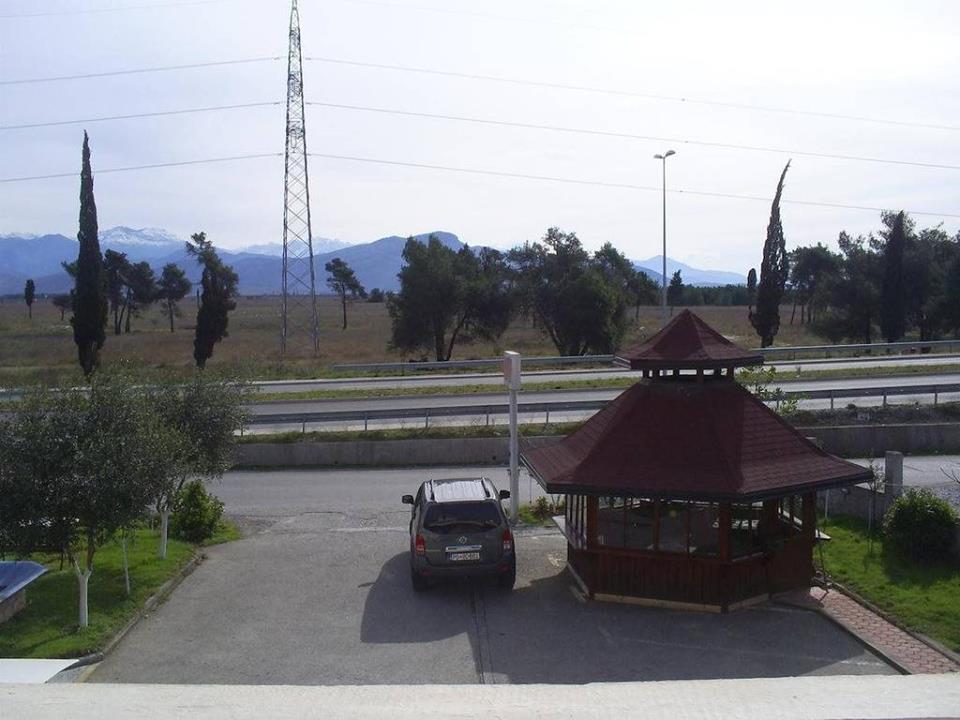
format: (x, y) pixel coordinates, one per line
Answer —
(478, 400)
(538, 376)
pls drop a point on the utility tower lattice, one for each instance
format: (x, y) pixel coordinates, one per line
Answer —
(299, 305)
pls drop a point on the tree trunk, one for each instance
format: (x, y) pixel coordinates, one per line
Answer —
(62, 313)
(343, 304)
(793, 314)
(170, 313)
(164, 528)
(83, 582)
(30, 310)
(126, 562)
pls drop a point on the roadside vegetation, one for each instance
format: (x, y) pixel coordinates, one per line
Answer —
(47, 627)
(83, 469)
(922, 595)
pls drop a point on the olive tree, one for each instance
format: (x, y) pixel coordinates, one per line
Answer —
(200, 419)
(75, 463)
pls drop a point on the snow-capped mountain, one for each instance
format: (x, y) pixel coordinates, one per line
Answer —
(140, 237)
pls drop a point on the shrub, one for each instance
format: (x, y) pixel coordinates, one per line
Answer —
(197, 513)
(921, 525)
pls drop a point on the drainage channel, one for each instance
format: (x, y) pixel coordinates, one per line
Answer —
(482, 656)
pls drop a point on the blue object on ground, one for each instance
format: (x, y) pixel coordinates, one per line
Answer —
(16, 575)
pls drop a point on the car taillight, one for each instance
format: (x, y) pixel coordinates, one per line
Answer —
(421, 545)
(507, 540)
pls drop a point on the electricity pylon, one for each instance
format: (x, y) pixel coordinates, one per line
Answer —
(299, 305)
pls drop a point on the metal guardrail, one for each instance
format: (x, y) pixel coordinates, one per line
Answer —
(546, 408)
(861, 348)
(401, 367)
(790, 352)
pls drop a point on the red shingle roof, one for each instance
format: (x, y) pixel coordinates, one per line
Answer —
(687, 342)
(684, 439)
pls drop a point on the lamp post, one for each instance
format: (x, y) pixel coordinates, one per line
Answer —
(663, 289)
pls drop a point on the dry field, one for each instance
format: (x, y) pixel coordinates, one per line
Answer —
(42, 349)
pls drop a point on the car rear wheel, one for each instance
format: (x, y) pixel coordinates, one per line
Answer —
(419, 582)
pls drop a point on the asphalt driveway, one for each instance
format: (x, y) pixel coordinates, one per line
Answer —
(319, 593)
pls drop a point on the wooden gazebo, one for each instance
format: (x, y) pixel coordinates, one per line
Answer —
(687, 490)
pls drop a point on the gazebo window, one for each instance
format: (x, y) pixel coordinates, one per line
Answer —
(659, 526)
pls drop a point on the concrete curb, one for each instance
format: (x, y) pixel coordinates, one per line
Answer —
(896, 622)
(148, 606)
(899, 667)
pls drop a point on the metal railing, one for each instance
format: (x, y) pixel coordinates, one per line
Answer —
(857, 348)
(773, 353)
(488, 410)
(403, 367)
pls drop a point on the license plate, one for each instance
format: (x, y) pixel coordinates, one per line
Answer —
(461, 556)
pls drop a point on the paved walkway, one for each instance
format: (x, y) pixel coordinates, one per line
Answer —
(790, 698)
(913, 655)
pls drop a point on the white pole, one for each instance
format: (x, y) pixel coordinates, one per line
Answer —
(514, 459)
(511, 375)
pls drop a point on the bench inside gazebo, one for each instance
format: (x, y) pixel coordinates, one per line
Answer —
(687, 490)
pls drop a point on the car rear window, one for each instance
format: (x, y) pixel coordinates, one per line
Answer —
(461, 517)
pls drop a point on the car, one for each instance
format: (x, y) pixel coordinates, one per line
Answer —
(458, 529)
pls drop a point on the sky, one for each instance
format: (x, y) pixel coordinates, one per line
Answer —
(890, 61)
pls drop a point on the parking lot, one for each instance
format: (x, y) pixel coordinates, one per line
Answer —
(318, 592)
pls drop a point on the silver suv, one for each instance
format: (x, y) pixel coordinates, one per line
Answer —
(457, 529)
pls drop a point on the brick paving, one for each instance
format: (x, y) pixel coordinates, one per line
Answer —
(913, 655)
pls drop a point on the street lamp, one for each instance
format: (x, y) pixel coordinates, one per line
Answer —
(663, 289)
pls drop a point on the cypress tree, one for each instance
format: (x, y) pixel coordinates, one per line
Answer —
(217, 299)
(893, 296)
(90, 294)
(751, 287)
(773, 274)
(29, 293)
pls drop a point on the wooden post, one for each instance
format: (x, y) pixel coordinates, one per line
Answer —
(724, 521)
(593, 506)
(656, 525)
(809, 516)
(771, 517)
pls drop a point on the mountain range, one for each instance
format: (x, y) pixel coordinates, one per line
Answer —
(259, 266)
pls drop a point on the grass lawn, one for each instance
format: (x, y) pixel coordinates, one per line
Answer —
(47, 627)
(923, 597)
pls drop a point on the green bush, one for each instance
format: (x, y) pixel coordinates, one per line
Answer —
(197, 513)
(921, 525)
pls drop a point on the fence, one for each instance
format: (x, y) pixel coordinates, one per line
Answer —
(773, 353)
(489, 410)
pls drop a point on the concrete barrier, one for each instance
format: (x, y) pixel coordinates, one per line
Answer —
(875, 440)
(846, 441)
(449, 451)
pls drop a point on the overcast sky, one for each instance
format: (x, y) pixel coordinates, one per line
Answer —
(885, 60)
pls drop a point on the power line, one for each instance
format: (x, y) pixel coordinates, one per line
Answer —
(180, 163)
(477, 171)
(631, 93)
(623, 186)
(131, 116)
(631, 136)
(91, 11)
(484, 121)
(135, 71)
